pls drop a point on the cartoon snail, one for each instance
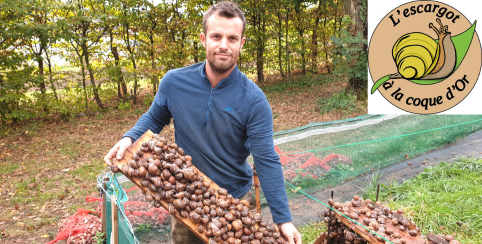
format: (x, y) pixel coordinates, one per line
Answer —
(418, 56)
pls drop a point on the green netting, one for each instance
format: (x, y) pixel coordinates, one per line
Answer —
(126, 235)
(320, 155)
(139, 220)
(325, 154)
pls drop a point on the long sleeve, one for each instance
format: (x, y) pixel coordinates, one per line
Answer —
(268, 167)
(158, 114)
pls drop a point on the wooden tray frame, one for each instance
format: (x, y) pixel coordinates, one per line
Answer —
(129, 154)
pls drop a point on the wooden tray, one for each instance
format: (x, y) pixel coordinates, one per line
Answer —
(371, 238)
(128, 155)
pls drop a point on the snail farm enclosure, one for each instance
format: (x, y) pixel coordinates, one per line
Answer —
(313, 158)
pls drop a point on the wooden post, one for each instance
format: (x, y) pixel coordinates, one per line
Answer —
(104, 207)
(115, 221)
(256, 190)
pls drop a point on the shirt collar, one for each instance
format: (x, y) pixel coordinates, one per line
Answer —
(224, 82)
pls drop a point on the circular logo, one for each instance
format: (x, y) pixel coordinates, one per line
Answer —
(424, 57)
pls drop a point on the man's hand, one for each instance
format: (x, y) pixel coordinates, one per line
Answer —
(118, 150)
(290, 233)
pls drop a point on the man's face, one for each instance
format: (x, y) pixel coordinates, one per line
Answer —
(222, 42)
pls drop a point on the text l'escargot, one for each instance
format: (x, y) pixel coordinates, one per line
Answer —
(425, 8)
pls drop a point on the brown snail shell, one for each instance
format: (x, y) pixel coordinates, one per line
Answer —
(152, 169)
(201, 229)
(157, 204)
(237, 224)
(222, 191)
(394, 221)
(149, 198)
(406, 223)
(184, 214)
(180, 151)
(331, 202)
(142, 171)
(179, 204)
(114, 168)
(246, 220)
(195, 217)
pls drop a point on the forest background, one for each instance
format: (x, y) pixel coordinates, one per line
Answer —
(59, 59)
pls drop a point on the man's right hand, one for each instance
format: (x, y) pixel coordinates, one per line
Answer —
(118, 150)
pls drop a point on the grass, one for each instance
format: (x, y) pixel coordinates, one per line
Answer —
(342, 100)
(310, 232)
(443, 199)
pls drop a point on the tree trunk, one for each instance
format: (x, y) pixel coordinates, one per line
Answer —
(325, 43)
(91, 75)
(120, 76)
(357, 27)
(154, 80)
(134, 98)
(83, 81)
(280, 48)
(314, 40)
(356, 20)
(40, 62)
(288, 70)
(303, 60)
(50, 78)
(196, 51)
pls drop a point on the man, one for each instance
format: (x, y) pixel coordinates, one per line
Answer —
(220, 117)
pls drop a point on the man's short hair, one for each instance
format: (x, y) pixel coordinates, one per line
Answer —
(225, 9)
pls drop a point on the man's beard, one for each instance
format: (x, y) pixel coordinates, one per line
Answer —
(221, 67)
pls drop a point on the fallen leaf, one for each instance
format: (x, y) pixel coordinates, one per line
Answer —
(32, 185)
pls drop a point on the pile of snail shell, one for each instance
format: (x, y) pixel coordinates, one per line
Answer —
(385, 222)
(170, 177)
(89, 227)
(449, 238)
(340, 233)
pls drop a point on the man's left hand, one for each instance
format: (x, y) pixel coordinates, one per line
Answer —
(290, 233)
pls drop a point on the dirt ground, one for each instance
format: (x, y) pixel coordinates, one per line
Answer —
(48, 167)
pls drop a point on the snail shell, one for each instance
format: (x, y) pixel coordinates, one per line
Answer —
(418, 56)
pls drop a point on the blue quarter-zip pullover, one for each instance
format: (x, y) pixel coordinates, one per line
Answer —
(219, 127)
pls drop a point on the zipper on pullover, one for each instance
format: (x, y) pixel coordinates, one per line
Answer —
(209, 103)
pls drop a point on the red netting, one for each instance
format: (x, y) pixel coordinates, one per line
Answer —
(81, 227)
